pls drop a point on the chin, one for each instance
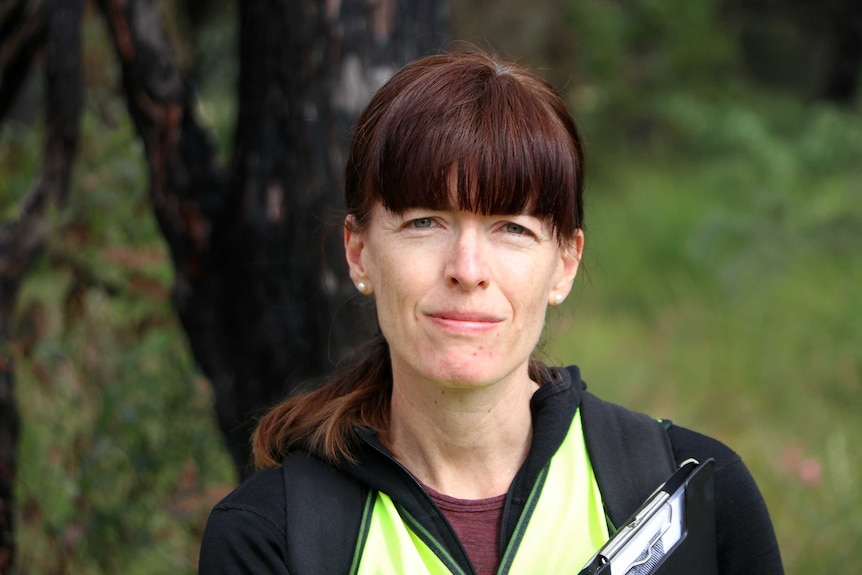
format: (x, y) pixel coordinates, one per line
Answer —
(470, 374)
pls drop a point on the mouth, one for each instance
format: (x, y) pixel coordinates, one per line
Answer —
(464, 320)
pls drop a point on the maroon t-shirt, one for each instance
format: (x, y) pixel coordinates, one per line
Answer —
(477, 523)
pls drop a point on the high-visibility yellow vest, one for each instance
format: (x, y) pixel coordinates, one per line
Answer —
(561, 527)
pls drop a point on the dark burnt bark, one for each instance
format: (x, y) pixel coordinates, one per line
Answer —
(812, 48)
(23, 238)
(22, 34)
(264, 304)
(844, 65)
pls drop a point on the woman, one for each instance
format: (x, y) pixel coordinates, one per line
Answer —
(465, 222)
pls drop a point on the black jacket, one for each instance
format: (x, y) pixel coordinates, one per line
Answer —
(246, 532)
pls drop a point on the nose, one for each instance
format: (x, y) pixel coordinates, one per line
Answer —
(467, 266)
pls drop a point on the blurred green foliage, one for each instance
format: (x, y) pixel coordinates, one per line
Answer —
(720, 286)
(723, 259)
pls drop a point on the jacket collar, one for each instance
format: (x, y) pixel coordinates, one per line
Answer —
(553, 407)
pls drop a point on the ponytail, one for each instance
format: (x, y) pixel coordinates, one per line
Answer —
(323, 420)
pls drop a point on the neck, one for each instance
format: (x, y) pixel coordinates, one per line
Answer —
(467, 443)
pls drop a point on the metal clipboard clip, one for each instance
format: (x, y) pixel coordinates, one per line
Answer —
(657, 529)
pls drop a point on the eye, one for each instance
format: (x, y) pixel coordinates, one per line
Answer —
(420, 223)
(517, 229)
(513, 228)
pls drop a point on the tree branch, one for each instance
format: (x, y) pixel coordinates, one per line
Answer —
(185, 187)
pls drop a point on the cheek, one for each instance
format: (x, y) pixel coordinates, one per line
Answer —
(398, 282)
(529, 290)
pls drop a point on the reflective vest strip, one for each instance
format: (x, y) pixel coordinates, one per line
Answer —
(364, 528)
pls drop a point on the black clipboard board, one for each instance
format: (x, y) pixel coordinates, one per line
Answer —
(636, 549)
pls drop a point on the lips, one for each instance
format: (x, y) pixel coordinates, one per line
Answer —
(465, 320)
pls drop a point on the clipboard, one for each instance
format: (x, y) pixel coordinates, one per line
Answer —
(672, 533)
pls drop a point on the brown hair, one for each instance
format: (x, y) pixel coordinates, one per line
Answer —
(501, 126)
(506, 135)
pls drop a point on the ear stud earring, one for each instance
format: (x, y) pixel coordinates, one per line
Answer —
(362, 287)
(558, 299)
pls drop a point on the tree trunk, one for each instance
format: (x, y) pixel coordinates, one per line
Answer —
(23, 238)
(261, 287)
(306, 70)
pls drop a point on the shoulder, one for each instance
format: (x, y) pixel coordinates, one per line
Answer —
(261, 494)
(245, 531)
(734, 484)
(745, 538)
(259, 501)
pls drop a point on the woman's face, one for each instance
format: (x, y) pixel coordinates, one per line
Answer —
(461, 297)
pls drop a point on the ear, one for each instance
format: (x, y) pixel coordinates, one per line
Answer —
(354, 244)
(570, 256)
